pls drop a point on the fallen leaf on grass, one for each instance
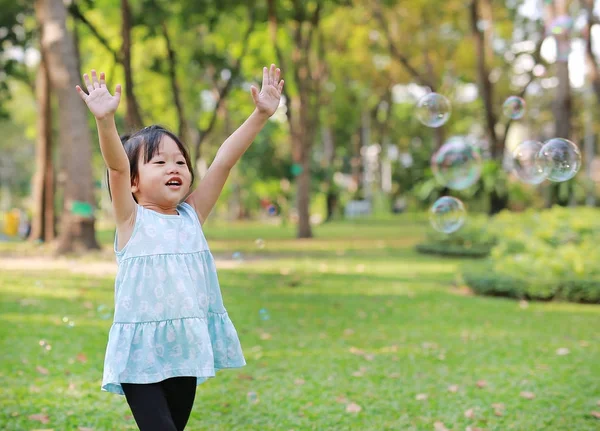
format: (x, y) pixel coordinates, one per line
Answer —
(41, 417)
(498, 413)
(562, 351)
(85, 429)
(245, 377)
(353, 408)
(394, 376)
(348, 331)
(498, 406)
(34, 389)
(265, 336)
(528, 395)
(481, 383)
(299, 382)
(421, 397)
(596, 415)
(42, 370)
(439, 426)
(453, 388)
(474, 429)
(81, 357)
(584, 343)
(341, 399)
(523, 304)
(356, 351)
(470, 414)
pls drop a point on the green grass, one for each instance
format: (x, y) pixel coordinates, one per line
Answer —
(357, 296)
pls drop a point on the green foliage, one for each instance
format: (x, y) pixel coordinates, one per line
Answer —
(544, 255)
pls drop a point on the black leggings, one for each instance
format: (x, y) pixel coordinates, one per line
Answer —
(162, 406)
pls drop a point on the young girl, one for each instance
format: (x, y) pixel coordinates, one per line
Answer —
(170, 331)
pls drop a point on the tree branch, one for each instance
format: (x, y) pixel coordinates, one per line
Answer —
(395, 52)
(224, 90)
(77, 14)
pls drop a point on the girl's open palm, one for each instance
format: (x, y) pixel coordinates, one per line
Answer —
(267, 101)
(99, 100)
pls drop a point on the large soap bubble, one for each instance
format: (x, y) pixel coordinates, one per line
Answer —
(447, 214)
(433, 110)
(527, 164)
(561, 158)
(457, 164)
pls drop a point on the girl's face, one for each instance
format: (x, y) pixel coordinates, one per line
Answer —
(165, 180)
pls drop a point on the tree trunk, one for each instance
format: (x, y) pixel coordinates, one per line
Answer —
(133, 117)
(42, 225)
(562, 105)
(77, 232)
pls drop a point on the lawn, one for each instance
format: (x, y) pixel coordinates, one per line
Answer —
(362, 334)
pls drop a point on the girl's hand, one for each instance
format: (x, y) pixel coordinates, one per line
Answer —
(267, 101)
(99, 100)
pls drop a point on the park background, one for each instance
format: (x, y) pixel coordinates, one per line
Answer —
(354, 314)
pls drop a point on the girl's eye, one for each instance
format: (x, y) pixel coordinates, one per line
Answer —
(160, 162)
(181, 163)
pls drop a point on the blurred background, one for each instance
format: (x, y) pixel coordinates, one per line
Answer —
(322, 231)
(346, 138)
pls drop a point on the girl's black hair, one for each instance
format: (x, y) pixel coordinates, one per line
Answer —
(148, 140)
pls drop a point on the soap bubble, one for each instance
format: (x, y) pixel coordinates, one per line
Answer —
(272, 210)
(457, 164)
(104, 312)
(562, 159)
(527, 165)
(447, 214)
(514, 107)
(252, 397)
(264, 314)
(260, 243)
(237, 256)
(433, 110)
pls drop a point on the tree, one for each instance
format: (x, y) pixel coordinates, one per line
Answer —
(77, 230)
(303, 101)
(43, 226)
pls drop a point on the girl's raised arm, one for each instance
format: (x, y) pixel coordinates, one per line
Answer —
(103, 105)
(205, 196)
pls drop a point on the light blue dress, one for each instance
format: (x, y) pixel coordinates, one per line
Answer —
(169, 316)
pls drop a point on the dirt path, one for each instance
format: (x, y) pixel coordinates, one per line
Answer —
(97, 268)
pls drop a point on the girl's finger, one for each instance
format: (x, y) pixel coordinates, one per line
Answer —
(265, 81)
(88, 83)
(254, 92)
(81, 92)
(272, 74)
(95, 82)
(118, 91)
(277, 75)
(102, 79)
(280, 86)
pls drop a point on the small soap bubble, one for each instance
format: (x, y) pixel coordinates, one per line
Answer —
(237, 256)
(433, 110)
(561, 25)
(104, 312)
(561, 158)
(71, 324)
(65, 319)
(252, 397)
(514, 107)
(527, 164)
(264, 314)
(447, 214)
(457, 164)
(260, 243)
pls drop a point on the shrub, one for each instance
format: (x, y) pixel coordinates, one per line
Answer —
(544, 255)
